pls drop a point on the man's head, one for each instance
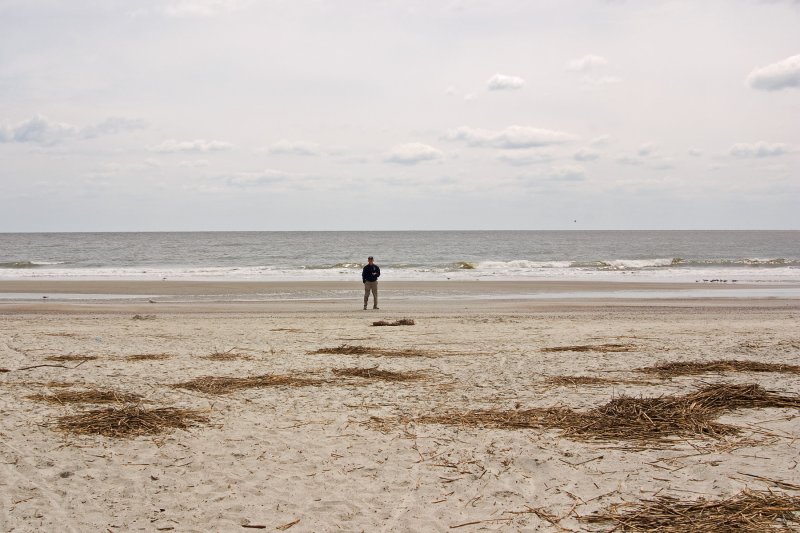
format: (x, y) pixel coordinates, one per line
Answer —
(370, 259)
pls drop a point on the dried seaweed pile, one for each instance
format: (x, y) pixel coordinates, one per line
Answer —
(575, 381)
(401, 322)
(66, 358)
(148, 357)
(130, 421)
(689, 368)
(4, 370)
(231, 355)
(592, 348)
(225, 385)
(346, 349)
(746, 512)
(376, 374)
(86, 396)
(633, 419)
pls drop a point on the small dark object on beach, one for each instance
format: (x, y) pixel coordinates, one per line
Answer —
(401, 322)
(143, 317)
(4, 370)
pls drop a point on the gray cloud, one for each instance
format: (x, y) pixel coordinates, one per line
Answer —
(413, 153)
(512, 137)
(112, 126)
(259, 179)
(501, 82)
(759, 149)
(199, 145)
(41, 130)
(567, 173)
(784, 74)
(585, 154)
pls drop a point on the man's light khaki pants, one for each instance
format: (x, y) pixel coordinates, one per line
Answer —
(371, 286)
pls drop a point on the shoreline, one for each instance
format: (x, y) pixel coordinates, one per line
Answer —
(147, 297)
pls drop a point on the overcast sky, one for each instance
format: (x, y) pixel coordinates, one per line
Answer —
(391, 115)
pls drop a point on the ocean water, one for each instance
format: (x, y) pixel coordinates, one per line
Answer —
(741, 256)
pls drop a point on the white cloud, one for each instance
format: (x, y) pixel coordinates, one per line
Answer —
(587, 63)
(585, 154)
(781, 75)
(512, 137)
(413, 153)
(694, 152)
(201, 8)
(285, 147)
(592, 67)
(500, 82)
(759, 149)
(521, 158)
(198, 145)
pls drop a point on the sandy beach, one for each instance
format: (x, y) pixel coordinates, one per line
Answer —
(356, 427)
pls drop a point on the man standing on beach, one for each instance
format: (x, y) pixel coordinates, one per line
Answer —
(370, 276)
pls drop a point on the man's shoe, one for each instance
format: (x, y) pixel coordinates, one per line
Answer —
(374, 308)
(365, 308)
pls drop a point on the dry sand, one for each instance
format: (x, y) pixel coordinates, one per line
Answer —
(341, 451)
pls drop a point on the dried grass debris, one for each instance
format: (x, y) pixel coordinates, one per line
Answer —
(690, 368)
(577, 381)
(653, 420)
(603, 348)
(143, 317)
(67, 358)
(234, 354)
(91, 396)
(346, 349)
(148, 357)
(747, 512)
(401, 322)
(375, 374)
(225, 385)
(130, 421)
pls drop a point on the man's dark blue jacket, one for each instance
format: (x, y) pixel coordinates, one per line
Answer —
(370, 273)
